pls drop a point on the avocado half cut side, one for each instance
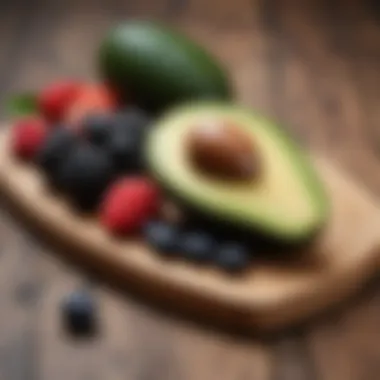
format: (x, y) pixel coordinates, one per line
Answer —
(287, 202)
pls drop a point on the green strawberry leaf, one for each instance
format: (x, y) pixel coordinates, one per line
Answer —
(22, 105)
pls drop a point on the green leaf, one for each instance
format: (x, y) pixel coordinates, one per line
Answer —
(22, 105)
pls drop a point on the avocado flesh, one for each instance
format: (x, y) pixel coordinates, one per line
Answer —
(287, 201)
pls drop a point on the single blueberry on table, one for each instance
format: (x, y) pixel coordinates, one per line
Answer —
(79, 314)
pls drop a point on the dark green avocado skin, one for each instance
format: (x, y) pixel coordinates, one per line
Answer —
(158, 67)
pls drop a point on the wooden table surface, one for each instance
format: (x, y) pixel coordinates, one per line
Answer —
(315, 65)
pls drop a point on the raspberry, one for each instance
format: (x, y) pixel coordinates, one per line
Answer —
(129, 203)
(28, 136)
(55, 99)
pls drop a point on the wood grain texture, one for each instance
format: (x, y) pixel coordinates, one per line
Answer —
(314, 65)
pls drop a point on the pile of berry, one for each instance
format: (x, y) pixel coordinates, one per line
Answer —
(91, 150)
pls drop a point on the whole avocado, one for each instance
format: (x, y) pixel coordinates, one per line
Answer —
(160, 67)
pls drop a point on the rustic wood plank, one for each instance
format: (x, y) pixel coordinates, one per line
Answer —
(347, 347)
(331, 116)
(214, 356)
(66, 36)
(293, 361)
(20, 291)
(10, 25)
(220, 15)
(357, 42)
(321, 97)
(17, 22)
(316, 72)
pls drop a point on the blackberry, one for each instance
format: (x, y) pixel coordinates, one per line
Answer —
(86, 174)
(125, 150)
(54, 152)
(97, 128)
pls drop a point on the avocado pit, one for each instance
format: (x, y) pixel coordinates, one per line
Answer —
(219, 148)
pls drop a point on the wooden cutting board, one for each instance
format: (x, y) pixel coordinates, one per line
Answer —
(268, 296)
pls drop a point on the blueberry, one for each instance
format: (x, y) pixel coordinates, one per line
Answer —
(233, 256)
(125, 150)
(54, 153)
(162, 236)
(86, 174)
(197, 246)
(79, 314)
(97, 128)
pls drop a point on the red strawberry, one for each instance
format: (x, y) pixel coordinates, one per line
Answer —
(27, 137)
(55, 99)
(95, 98)
(128, 204)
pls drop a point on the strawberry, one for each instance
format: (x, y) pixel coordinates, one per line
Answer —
(55, 99)
(91, 99)
(27, 137)
(128, 204)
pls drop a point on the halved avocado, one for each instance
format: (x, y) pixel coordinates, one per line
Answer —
(286, 200)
